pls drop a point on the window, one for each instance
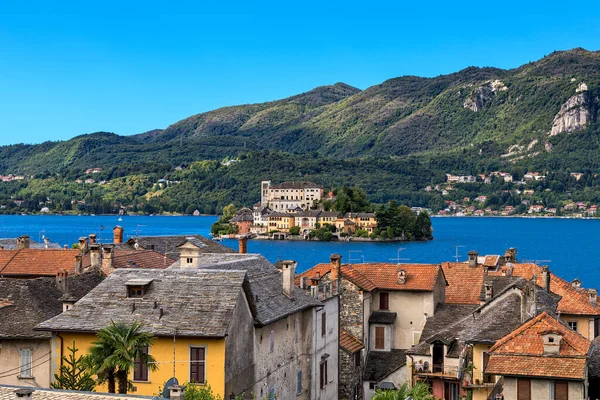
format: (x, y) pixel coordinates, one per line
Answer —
(299, 385)
(140, 369)
(384, 301)
(189, 260)
(523, 389)
(197, 364)
(379, 337)
(357, 359)
(559, 390)
(323, 324)
(135, 291)
(25, 371)
(323, 374)
(272, 342)
(573, 325)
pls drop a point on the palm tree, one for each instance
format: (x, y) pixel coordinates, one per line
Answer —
(115, 353)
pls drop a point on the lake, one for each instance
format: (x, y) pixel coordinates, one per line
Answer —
(569, 246)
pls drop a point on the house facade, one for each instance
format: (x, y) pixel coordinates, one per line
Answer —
(288, 196)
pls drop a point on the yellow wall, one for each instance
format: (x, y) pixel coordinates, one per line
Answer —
(583, 327)
(478, 349)
(162, 351)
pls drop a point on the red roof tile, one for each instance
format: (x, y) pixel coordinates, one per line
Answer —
(371, 276)
(349, 342)
(521, 352)
(38, 262)
(464, 283)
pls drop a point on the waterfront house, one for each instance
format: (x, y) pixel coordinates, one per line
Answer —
(243, 221)
(541, 359)
(288, 196)
(281, 222)
(306, 220)
(25, 353)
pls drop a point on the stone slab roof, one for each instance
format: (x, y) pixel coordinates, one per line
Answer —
(521, 352)
(24, 303)
(594, 359)
(382, 317)
(11, 244)
(349, 343)
(265, 284)
(167, 245)
(36, 262)
(8, 393)
(198, 303)
(135, 259)
(380, 364)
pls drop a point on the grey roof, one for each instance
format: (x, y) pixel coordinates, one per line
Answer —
(167, 245)
(295, 185)
(308, 214)
(380, 364)
(11, 244)
(242, 217)
(266, 297)
(594, 359)
(456, 325)
(382, 317)
(329, 214)
(25, 303)
(197, 303)
(359, 215)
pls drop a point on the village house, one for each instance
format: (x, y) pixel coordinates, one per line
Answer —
(382, 310)
(535, 208)
(24, 303)
(288, 196)
(93, 171)
(263, 339)
(306, 220)
(541, 359)
(460, 178)
(576, 175)
(244, 219)
(281, 222)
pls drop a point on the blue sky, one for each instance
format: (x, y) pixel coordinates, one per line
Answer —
(128, 67)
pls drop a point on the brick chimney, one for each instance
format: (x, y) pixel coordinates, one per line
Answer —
(23, 242)
(243, 242)
(118, 234)
(289, 273)
(336, 267)
(92, 238)
(107, 258)
(83, 245)
(473, 258)
(62, 282)
(95, 260)
(546, 278)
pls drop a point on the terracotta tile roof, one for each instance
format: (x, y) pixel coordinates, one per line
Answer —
(371, 276)
(551, 367)
(521, 352)
(572, 301)
(491, 261)
(464, 283)
(349, 343)
(35, 262)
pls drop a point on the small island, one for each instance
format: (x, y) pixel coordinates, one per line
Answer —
(304, 211)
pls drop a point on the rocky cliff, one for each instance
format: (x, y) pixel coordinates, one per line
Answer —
(574, 114)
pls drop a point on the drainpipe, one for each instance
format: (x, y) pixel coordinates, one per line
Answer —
(412, 378)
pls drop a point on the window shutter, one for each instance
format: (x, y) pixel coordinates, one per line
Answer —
(380, 337)
(272, 342)
(25, 363)
(384, 301)
(561, 390)
(523, 389)
(197, 362)
(140, 371)
(299, 388)
(323, 324)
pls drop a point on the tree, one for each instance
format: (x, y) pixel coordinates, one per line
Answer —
(295, 230)
(419, 391)
(123, 344)
(73, 374)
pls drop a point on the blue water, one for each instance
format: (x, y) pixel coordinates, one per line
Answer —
(569, 246)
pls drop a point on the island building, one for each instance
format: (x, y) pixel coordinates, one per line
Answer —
(233, 321)
(288, 196)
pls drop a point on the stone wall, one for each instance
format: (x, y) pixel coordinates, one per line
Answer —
(350, 377)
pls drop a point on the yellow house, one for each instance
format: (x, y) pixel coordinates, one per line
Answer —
(195, 316)
(281, 222)
(363, 220)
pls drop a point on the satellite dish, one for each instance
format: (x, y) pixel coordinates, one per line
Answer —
(166, 390)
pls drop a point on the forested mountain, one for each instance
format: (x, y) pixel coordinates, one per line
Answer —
(409, 131)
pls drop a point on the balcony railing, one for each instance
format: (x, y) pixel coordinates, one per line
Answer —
(432, 370)
(477, 379)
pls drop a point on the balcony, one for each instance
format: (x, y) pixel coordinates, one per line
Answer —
(435, 370)
(479, 380)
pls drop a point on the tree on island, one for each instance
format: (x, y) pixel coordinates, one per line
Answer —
(351, 200)
(401, 221)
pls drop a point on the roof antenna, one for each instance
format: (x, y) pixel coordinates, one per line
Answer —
(456, 247)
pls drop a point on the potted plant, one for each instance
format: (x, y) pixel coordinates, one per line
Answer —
(419, 365)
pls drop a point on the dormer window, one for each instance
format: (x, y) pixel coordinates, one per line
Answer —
(551, 342)
(137, 288)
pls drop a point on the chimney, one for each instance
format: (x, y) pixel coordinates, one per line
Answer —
(176, 392)
(78, 264)
(46, 242)
(83, 245)
(489, 291)
(511, 255)
(95, 257)
(24, 393)
(289, 273)
(546, 278)
(118, 234)
(23, 242)
(473, 258)
(336, 270)
(593, 294)
(576, 283)
(243, 242)
(107, 258)
(62, 282)
(93, 238)
(401, 275)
